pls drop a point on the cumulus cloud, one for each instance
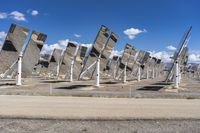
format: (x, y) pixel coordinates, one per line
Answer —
(116, 53)
(170, 47)
(3, 15)
(16, 15)
(133, 32)
(2, 38)
(163, 55)
(194, 57)
(77, 35)
(61, 44)
(34, 12)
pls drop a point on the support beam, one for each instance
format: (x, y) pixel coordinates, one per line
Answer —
(153, 73)
(176, 75)
(147, 72)
(97, 72)
(71, 70)
(139, 73)
(125, 73)
(19, 70)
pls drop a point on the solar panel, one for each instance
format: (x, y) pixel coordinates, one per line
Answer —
(140, 57)
(110, 45)
(97, 49)
(126, 54)
(183, 43)
(12, 46)
(68, 56)
(32, 51)
(54, 61)
(145, 58)
(132, 57)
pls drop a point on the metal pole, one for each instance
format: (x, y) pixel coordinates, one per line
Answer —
(139, 73)
(176, 74)
(125, 73)
(72, 64)
(97, 72)
(57, 70)
(71, 71)
(179, 77)
(147, 72)
(19, 69)
(153, 74)
(114, 75)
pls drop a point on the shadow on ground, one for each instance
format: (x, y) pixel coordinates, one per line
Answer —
(110, 82)
(73, 87)
(154, 87)
(7, 84)
(54, 81)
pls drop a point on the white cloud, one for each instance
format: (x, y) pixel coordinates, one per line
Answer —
(16, 15)
(77, 35)
(3, 15)
(34, 12)
(116, 52)
(194, 58)
(170, 47)
(61, 44)
(2, 38)
(133, 32)
(163, 55)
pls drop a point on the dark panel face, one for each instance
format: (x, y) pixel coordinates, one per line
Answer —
(131, 57)
(140, 56)
(101, 39)
(32, 52)
(158, 61)
(126, 54)
(12, 46)
(110, 45)
(145, 58)
(81, 53)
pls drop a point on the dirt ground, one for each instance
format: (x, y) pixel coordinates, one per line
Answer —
(95, 126)
(189, 88)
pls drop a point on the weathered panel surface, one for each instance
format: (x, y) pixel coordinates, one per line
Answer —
(12, 46)
(54, 61)
(32, 52)
(79, 61)
(96, 50)
(68, 56)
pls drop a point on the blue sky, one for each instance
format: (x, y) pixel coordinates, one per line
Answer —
(163, 21)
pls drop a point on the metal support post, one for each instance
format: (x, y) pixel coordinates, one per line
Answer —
(125, 73)
(176, 75)
(71, 70)
(147, 72)
(19, 70)
(153, 73)
(97, 72)
(139, 72)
